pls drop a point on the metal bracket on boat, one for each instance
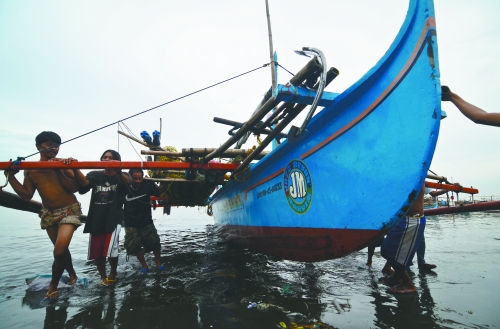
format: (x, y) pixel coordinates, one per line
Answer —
(322, 82)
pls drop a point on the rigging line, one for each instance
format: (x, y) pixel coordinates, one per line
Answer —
(284, 69)
(153, 108)
(131, 143)
(131, 133)
(118, 137)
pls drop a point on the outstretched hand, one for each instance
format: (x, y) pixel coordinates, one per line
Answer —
(65, 160)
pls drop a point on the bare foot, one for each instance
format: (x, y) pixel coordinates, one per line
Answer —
(369, 264)
(388, 271)
(402, 289)
(390, 280)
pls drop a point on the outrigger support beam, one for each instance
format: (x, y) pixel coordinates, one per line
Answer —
(146, 165)
(453, 188)
(268, 106)
(297, 95)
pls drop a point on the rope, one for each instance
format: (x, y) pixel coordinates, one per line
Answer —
(244, 174)
(153, 108)
(284, 68)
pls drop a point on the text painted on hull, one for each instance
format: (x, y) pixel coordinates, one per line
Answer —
(297, 185)
(230, 204)
(269, 190)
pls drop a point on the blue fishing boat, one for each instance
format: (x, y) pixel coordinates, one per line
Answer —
(350, 172)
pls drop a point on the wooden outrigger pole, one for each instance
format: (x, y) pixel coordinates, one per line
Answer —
(146, 165)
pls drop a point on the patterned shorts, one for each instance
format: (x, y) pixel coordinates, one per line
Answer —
(55, 217)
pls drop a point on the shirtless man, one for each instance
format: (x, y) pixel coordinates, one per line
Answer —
(472, 112)
(400, 245)
(61, 212)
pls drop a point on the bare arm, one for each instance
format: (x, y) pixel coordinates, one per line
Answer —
(67, 180)
(66, 176)
(472, 112)
(80, 178)
(25, 190)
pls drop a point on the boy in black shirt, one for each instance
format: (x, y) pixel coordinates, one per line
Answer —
(105, 214)
(139, 228)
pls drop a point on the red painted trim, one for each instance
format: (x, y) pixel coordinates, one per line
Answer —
(430, 22)
(262, 181)
(118, 165)
(300, 244)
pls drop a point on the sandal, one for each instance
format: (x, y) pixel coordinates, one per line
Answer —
(51, 297)
(107, 282)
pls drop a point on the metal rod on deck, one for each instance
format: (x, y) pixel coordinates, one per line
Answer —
(255, 130)
(279, 127)
(270, 104)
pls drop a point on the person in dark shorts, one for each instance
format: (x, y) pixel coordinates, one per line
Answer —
(140, 233)
(105, 214)
(401, 244)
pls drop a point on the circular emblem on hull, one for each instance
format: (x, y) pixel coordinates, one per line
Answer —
(297, 185)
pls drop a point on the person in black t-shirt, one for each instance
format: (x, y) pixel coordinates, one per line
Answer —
(139, 228)
(105, 214)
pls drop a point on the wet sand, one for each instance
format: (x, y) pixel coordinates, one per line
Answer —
(208, 284)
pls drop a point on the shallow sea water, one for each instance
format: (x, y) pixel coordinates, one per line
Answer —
(209, 284)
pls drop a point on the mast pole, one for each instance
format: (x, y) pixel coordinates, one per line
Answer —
(272, 57)
(271, 51)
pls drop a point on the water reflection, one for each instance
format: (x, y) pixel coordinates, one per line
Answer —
(212, 285)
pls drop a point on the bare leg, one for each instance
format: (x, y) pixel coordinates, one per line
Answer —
(60, 237)
(101, 267)
(406, 286)
(371, 251)
(387, 270)
(113, 261)
(157, 258)
(140, 257)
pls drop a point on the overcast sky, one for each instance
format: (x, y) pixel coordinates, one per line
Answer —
(75, 66)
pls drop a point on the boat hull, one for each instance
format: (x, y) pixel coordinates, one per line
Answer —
(359, 166)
